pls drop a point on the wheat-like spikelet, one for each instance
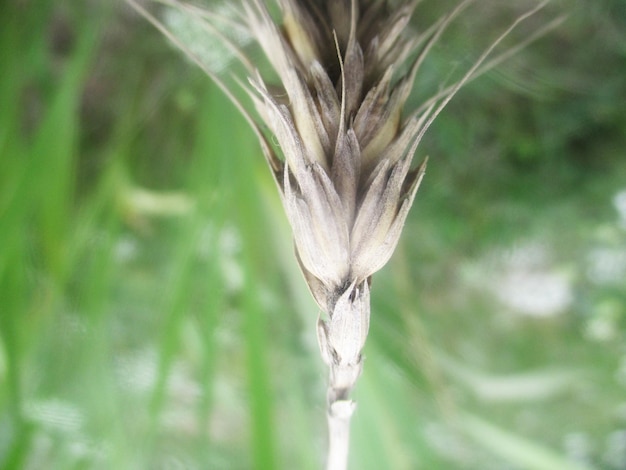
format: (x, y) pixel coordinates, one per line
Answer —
(344, 168)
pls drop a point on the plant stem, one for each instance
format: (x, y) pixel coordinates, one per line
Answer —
(343, 378)
(339, 415)
(341, 339)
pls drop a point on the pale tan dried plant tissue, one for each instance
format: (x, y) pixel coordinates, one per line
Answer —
(344, 162)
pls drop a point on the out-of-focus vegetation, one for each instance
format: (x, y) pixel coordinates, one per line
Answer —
(151, 312)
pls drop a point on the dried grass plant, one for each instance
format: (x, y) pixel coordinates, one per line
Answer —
(346, 143)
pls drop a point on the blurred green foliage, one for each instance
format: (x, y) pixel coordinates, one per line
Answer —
(151, 312)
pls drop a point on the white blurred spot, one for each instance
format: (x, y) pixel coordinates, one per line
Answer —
(525, 283)
(137, 372)
(578, 447)
(615, 454)
(55, 414)
(619, 201)
(233, 275)
(538, 294)
(229, 245)
(206, 242)
(229, 241)
(600, 329)
(603, 322)
(93, 450)
(446, 441)
(125, 249)
(606, 265)
(620, 412)
(157, 203)
(521, 387)
(620, 374)
(180, 413)
(182, 385)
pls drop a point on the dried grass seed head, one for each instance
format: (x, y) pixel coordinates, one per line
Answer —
(345, 69)
(346, 180)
